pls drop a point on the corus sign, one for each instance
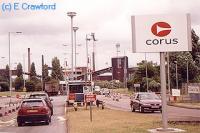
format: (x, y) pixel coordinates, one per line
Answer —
(161, 33)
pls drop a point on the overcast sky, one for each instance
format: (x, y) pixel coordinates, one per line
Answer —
(45, 31)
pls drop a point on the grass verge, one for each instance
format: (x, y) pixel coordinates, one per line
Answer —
(14, 93)
(113, 121)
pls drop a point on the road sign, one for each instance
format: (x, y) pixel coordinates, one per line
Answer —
(136, 85)
(161, 33)
(194, 89)
(90, 98)
(176, 92)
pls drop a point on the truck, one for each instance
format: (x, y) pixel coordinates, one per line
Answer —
(52, 87)
(76, 91)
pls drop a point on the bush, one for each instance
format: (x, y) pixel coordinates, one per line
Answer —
(38, 87)
(19, 83)
(30, 85)
(4, 86)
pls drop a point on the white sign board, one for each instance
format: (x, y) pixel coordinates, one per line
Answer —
(176, 92)
(136, 85)
(161, 33)
(193, 89)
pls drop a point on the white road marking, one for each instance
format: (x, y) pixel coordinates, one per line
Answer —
(61, 118)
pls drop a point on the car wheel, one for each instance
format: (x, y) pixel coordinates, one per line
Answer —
(51, 111)
(141, 109)
(49, 118)
(19, 124)
(132, 109)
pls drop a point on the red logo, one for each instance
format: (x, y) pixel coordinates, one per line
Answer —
(161, 29)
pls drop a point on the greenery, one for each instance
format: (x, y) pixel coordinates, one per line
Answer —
(56, 69)
(46, 76)
(30, 85)
(19, 81)
(109, 84)
(139, 77)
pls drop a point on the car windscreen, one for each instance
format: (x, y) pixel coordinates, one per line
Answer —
(149, 96)
(38, 96)
(35, 103)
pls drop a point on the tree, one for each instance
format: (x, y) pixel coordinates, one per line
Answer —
(46, 76)
(30, 85)
(139, 77)
(19, 70)
(33, 71)
(19, 83)
(56, 69)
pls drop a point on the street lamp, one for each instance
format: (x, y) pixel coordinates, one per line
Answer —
(75, 29)
(71, 15)
(10, 72)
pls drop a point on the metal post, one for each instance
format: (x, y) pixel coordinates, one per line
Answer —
(163, 90)
(75, 29)
(24, 70)
(10, 72)
(71, 15)
(90, 111)
(168, 72)
(146, 73)
(187, 73)
(176, 76)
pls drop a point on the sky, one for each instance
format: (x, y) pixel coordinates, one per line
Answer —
(45, 32)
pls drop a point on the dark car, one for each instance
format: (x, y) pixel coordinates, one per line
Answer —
(45, 97)
(33, 110)
(145, 101)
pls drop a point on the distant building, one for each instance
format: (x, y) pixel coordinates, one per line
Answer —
(120, 68)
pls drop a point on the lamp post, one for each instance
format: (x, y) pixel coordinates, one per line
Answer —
(75, 29)
(9, 58)
(71, 15)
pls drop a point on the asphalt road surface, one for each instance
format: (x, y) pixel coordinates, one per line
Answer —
(173, 112)
(57, 125)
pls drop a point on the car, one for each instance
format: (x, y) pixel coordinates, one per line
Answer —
(33, 110)
(45, 97)
(97, 90)
(106, 92)
(146, 101)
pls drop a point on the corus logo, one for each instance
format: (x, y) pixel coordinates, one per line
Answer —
(161, 29)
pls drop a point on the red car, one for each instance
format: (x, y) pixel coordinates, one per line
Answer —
(33, 110)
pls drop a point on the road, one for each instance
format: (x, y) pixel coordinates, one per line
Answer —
(173, 112)
(58, 124)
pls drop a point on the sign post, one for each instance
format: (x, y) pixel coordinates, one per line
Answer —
(160, 34)
(90, 98)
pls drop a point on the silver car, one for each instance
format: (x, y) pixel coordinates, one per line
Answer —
(145, 101)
